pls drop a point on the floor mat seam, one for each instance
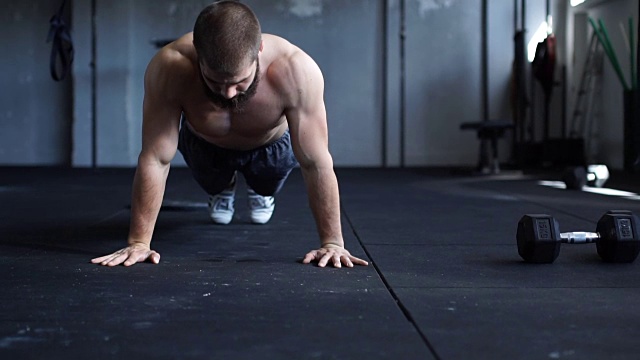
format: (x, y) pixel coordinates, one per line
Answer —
(393, 294)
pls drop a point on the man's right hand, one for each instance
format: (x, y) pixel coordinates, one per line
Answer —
(128, 256)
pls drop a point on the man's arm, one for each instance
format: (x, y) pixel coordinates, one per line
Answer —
(306, 116)
(160, 127)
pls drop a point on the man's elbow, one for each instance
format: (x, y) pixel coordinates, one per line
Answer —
(153, 159)
(316, 165)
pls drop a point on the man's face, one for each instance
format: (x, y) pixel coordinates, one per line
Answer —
(230, 92)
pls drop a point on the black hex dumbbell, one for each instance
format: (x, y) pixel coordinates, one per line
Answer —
(616, 237)
(577, 177)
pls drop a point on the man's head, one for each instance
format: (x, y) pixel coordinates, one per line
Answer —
(228, 40)
(227, 37)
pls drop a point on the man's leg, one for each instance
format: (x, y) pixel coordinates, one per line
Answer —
(216, 177)
(266, 174)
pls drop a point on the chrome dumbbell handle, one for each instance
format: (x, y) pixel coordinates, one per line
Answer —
(579, 237)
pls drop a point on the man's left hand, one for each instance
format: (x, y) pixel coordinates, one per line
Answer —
(337, 255)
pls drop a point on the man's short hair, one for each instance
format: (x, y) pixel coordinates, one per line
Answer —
(227, 36)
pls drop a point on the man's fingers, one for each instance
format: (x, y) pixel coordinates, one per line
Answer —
(142, 256)
(324, 260)
(309, 257)
(134, 258)
(337, 258)
(358, 261)
(100, 259)
(128, 256)
(337, 262)
(107, 259)
(117, 260)
(345, 259)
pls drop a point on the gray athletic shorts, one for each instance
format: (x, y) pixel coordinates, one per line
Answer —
(265, 168)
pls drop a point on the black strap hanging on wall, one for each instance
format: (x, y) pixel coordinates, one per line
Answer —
(62, 47)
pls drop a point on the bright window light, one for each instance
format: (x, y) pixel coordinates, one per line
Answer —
(538, 36)
(576, 2)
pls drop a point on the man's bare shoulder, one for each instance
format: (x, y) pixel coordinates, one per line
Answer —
(292, 71)
(171, 66)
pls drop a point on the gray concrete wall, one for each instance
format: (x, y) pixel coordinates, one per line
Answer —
(500, 50)
(443, 87)
(35, 111)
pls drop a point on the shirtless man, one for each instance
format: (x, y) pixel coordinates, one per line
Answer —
(234, 100)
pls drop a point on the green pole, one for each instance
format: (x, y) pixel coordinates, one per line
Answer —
(597, 32)
(613, 58)
(599, 35)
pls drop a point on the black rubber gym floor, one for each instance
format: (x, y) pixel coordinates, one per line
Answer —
(445, 279)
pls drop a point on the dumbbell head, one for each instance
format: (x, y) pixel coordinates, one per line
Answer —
(575, 178)
(619, 239)
(597, 175)
(538, 238)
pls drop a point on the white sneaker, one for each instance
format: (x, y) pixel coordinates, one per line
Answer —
(221, 205)
(261, 207)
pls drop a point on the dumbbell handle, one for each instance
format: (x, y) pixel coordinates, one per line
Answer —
(579, 237)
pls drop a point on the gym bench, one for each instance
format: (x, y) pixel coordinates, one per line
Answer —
(488, 131)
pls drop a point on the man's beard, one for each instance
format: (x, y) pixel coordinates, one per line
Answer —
(237, 102)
